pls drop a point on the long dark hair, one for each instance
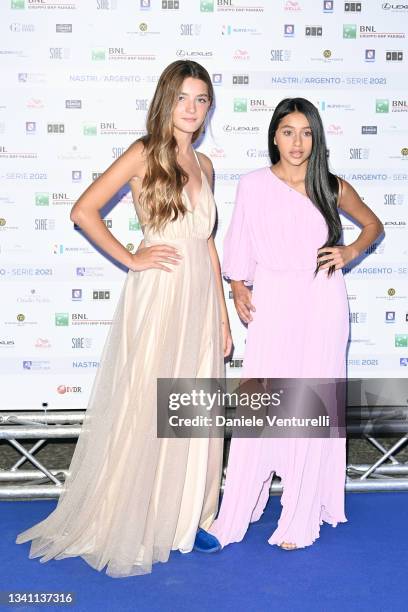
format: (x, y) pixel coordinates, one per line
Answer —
(165, 178)
(322, 187)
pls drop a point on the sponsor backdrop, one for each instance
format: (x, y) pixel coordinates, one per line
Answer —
(77, 79)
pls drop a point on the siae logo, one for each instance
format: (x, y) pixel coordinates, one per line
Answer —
(106, 5)
(141, 104)
(44, 224)
(190, 29)
(59, 53)
(393, 199)
(80, 342)
(280, 55)
(358, 153)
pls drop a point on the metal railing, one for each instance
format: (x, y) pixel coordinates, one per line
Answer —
(387, 473)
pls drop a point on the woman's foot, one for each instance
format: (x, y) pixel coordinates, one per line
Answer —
(205, 542)
(287, 546)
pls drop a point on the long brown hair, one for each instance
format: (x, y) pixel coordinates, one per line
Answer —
(164, 179)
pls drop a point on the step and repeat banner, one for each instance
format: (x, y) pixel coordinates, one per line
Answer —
(77, 78)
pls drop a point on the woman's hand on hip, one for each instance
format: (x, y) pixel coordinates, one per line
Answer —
(155, 257)
(337, 256)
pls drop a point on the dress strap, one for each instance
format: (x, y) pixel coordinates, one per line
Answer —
(196, 156)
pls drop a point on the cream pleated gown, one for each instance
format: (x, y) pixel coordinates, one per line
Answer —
(130, 497)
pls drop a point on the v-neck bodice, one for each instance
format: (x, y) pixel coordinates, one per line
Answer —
(202, 178)
(197, 222)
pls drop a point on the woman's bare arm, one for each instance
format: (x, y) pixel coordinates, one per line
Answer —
(209, 172)
(371, 225)
(85, 213)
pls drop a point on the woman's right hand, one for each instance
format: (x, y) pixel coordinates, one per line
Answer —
(154, 257)
(242, 300)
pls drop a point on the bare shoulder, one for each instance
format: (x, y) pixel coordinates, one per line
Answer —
(135, 156)
(207, 166)
(347, 188)
(346, 191)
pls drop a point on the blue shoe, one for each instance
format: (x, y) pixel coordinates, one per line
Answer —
(205, 542)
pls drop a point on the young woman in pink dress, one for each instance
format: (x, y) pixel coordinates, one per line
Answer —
(283, 240)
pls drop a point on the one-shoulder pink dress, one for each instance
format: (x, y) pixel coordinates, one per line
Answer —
(300, 329)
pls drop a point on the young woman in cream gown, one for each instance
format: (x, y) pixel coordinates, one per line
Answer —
(130, 497)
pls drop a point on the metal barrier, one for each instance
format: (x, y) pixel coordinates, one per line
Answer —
(387, 473)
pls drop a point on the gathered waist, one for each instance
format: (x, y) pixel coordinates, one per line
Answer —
(299, 272)
(187, 239)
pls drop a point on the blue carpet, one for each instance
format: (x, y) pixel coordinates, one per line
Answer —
(361, 565)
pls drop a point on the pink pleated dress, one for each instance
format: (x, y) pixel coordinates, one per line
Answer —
(300, 329)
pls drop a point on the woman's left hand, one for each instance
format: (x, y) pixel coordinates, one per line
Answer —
(337, 256)
(227, 338)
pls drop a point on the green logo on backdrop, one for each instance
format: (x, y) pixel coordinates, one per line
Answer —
(349, 31)
(134, 225)
(401, 340)
(382, 106)
(90, 129)
(207, 6)
(42, 199)
(61, 319)
(240, 105)
(98, 55)
(17, 4)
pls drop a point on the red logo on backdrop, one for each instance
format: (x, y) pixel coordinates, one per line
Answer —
(62, 389)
